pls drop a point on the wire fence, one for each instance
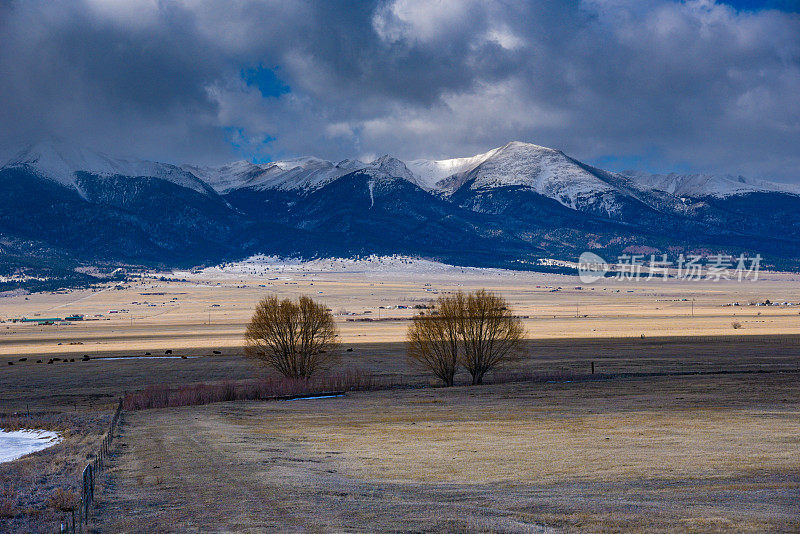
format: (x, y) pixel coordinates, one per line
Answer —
(78, 519)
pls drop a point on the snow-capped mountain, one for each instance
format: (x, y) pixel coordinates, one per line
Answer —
(540, 170)
(430, 172)
(61, 163)
(543, 170)
(505, 208)
(708, 185)
(389, 167)
(226, 178)
(299, 174)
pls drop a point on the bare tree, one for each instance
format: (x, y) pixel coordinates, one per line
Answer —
(491, 334)
(476, 330)
(433, 340)
(296, 338)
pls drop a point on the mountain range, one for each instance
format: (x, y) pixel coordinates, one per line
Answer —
(63, 208)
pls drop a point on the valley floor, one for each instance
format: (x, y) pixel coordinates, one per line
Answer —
(643, 447)
(188, 311)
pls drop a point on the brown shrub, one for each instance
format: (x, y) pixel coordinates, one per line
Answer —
(63, 500)
(266, 389)
(8, 502)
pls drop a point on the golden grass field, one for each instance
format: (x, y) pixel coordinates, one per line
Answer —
(212, 311)
(660, 453)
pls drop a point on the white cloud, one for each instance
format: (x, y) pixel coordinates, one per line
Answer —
(696, 84)
(421, 20)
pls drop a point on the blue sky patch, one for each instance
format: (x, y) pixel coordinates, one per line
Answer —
(266, 80)
(792, 6)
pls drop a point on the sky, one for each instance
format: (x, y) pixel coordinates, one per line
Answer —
(653, 85)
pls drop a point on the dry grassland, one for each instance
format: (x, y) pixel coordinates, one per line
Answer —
(647, 453)
(158, 315)
(648, 428)
(658, 455)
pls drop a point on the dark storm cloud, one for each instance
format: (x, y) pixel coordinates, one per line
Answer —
(694, 85)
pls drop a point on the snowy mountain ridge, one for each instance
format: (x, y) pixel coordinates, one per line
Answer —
(60, 162)
(698, 185)
(543, 170)
(507, 207)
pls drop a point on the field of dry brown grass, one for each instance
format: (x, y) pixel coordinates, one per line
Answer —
(152, 315)
(665, 454)
(628, 449)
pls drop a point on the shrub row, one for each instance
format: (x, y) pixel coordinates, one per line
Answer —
(164, 396)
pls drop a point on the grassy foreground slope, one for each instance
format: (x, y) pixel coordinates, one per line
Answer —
(656, 454)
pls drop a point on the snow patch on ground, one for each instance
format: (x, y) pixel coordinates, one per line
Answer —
(272, 266)
(266, 267)
(18, 443)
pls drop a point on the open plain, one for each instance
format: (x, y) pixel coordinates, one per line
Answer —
(689, 423)
(209, 308)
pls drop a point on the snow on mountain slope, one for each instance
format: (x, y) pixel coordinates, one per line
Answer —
(302, 174)
(543, 170)
(226, 178)
(387, 166)
(298, 174)
(60, 162)
(700, 185)
(430, 172)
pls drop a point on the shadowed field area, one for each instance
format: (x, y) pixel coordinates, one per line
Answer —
(656, 454)
(67, 385)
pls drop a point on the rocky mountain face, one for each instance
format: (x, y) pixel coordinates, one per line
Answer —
(61, 207)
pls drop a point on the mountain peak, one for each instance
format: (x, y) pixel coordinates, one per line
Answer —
(350, 164)
(56, 160)
(432, 173)
(303, 162)
(393, 167)
(521, 145)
